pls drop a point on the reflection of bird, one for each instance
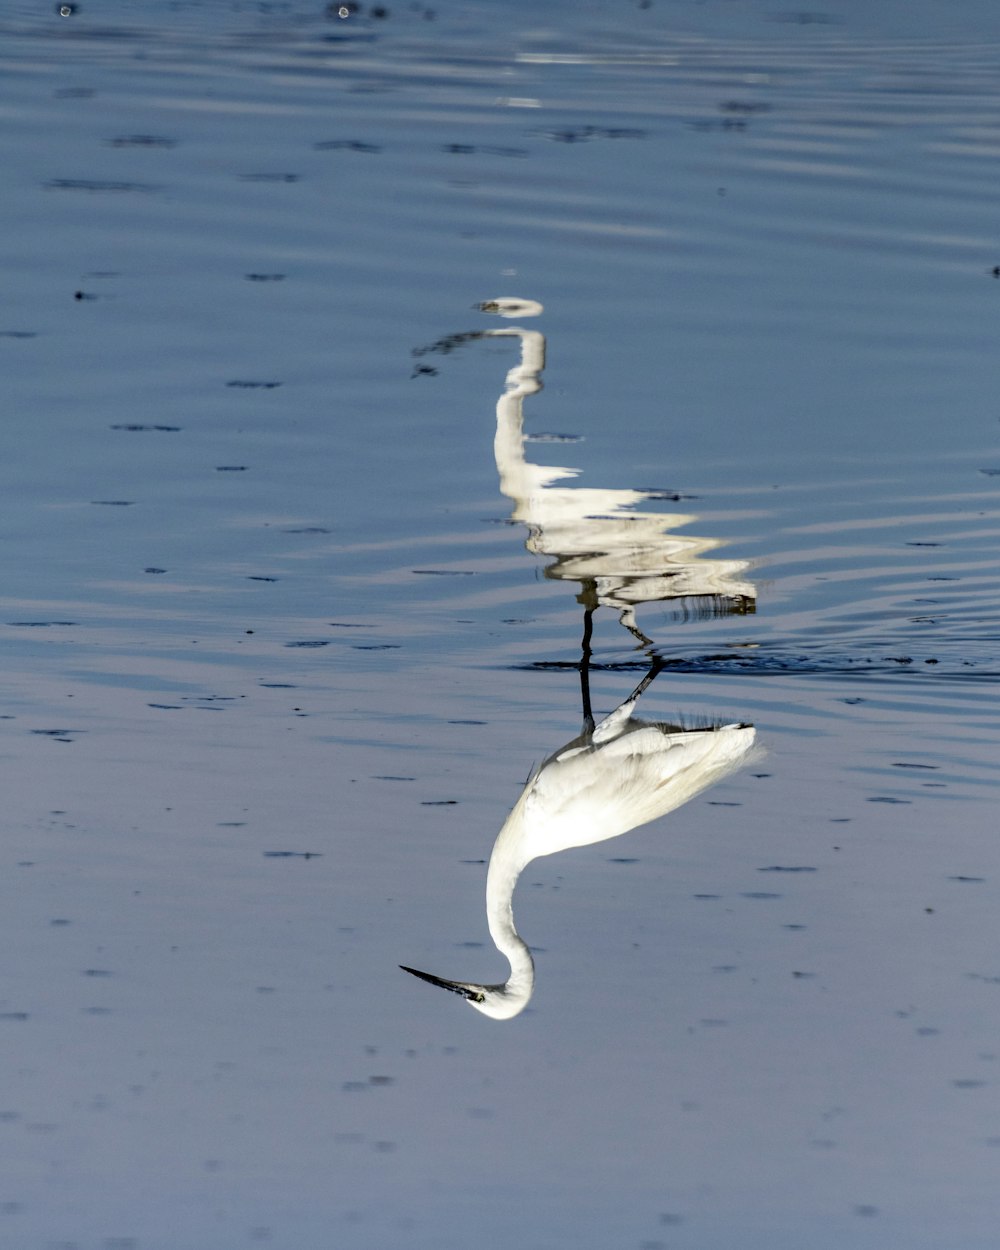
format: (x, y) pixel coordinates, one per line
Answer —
(617, 775)
(622, 557)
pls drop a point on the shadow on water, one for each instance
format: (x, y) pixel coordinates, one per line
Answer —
(622, 772)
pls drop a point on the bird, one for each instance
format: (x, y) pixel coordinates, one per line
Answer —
(622, 772)
(614, 776)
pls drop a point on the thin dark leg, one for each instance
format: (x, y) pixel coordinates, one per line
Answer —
(656, 666)
(588, 632)
(627, 618)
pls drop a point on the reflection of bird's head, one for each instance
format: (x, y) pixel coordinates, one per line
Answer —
(499, 1002)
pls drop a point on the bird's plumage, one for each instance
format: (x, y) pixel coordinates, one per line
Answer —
(594, 789)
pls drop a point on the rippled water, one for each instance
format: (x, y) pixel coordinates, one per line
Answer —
(281, 644)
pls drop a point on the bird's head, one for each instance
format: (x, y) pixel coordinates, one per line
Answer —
(499, 1002)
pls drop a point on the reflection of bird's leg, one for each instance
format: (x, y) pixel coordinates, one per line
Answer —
(627, 618)
(588, 630)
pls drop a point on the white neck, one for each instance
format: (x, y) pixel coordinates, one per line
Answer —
(501, 879)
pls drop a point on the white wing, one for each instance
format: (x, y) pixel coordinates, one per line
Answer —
(589, 793)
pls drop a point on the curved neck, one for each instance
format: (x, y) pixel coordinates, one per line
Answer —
(504, 870)
(508, 446)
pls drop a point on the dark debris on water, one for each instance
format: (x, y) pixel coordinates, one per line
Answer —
(134, 428)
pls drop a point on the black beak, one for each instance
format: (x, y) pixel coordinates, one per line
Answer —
(473, 993)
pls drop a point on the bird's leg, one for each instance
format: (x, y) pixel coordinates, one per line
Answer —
(656, 666)
(588, 631)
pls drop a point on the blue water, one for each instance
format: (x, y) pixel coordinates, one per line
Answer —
(276, 662)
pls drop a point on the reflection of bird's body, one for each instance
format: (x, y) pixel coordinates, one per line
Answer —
(596, 536)
(612, 778)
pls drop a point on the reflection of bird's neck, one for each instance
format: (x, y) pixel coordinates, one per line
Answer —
(520, 480)
(505, 868)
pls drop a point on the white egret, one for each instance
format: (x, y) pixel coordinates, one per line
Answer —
(623, 772)
(613, 777)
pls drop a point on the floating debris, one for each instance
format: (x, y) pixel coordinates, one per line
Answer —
(137, 429)
(99, 184)
(142, 141)
(583, 134)
(347, 145)
(487, 149)
(268, 177)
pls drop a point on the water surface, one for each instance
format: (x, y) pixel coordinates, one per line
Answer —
(277, 658)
